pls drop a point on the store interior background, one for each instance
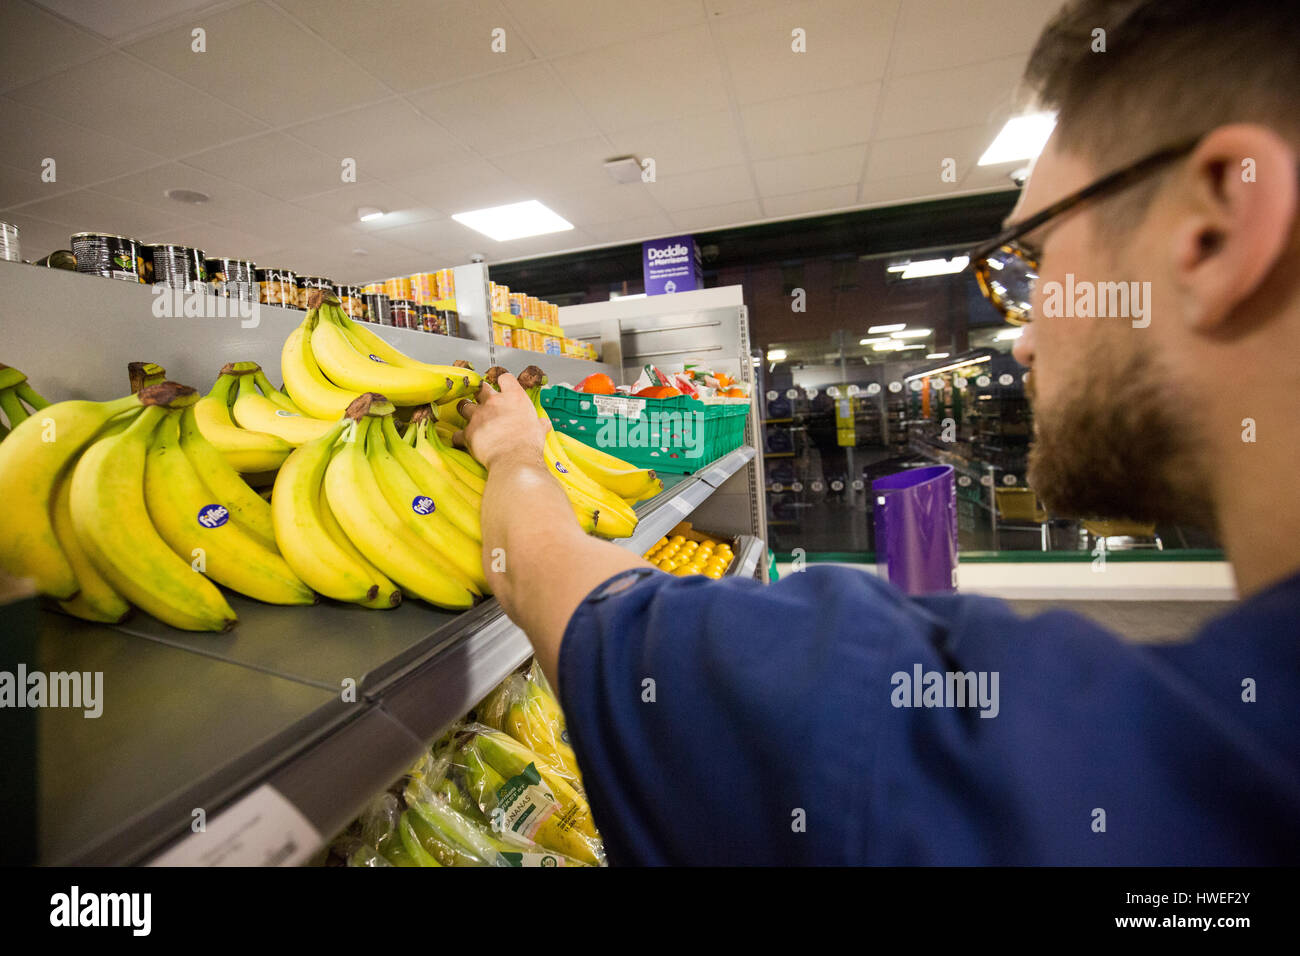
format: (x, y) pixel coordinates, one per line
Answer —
(812, 172)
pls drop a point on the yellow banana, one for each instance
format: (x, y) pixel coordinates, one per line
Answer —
(246, 451)
(112, 523)
(349, 368)
(509, 758)
(306, 384)
(302, 532)
(424, 514)
(389, 594)
(612, 474)
(369, 343)
(32, 457)
(456, 501)
(615, 513)
(375, 529)
(255, 412)
(194, 522)
(466, 467)
(426, 449)
(247, 507)
(95, 599)
(275, 395)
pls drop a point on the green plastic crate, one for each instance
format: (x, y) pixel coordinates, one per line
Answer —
(676, 435)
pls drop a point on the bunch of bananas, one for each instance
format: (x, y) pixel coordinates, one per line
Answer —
(329, 361)
(14, 391)
(112, 504)
(362, 516)
(601, 488)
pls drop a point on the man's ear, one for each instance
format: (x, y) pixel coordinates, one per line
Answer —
(1234, 219)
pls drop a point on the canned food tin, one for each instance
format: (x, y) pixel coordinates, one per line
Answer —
(277, 287)
(531, 308)
(379, 308)
(398, 289)
(501, 334)
(446, 284)
(518, 303)
(406, 314)
(431, 319)
(500, 298)
(307, 284)
(58, 259)
(113, 257)
(179, 267)
(350, 300)
(233, 278)
(424, 288)
(10, 248)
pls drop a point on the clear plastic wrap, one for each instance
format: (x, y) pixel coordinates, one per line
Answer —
(525, 707)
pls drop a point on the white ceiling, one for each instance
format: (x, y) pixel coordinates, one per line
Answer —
(741, 128)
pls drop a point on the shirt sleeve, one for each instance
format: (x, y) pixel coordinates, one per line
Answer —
(725, 721)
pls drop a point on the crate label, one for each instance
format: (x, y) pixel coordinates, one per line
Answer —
(262, 829)
(618, 405)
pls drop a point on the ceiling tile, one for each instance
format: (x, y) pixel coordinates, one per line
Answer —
(711, 187)
(949, 99)
(557, 28)
(507, 112)
(941, 34)
(903, 189)
(264, 63)
(847, 43)
(148, 108)
(276, 165)
(790, 174)
(908, 155)
(460, 187)
(536, 246)
(717, 217)
(813, 201)
(288, 225)
(431, 236)
(342, 204)
(225, 198)
(388, 140)
(632, 230)
(118, 20)
(982, 177)
(19, 185)
(562, 167)
(89, 211)
(213, 240)
(608, 203)
(34, 43)
(793, 125)
(413, 44)
(82, 157)
(685, 144)
(649, 80)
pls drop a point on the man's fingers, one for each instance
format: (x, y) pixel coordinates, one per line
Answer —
(508, 383)
(466, 408)
(458, 440)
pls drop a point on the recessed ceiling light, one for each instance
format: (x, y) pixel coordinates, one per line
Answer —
(887, 347)
(937, 355)
(515, 221)
(1007, 334)
(925, 268)
(876, 329)
(913, 334)
(776, 355)
(624, 169)
(192, 196)
(876, 340)
(1023, 137)
(369, 213)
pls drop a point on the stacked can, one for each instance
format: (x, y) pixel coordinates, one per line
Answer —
(113, 257)
(233, 278)
(277, 287)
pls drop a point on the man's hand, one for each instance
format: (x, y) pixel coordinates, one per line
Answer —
(504, 423)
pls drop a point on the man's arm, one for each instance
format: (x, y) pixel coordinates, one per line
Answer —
(540, 563)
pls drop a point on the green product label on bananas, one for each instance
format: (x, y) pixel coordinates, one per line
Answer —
(525, 803)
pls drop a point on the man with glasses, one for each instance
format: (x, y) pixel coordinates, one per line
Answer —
(727, 722)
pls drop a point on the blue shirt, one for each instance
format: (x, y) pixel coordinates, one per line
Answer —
(726, 722)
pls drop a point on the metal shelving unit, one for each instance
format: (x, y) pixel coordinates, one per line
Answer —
(278, 732)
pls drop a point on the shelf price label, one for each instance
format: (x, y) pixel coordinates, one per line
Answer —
(857, 484)
(260, 829)
(812, 393)
(895, 387)
(773, 395)
(1005, 378)
(817, 486)
(833, 391)
(837, 485)
(797, 486)
(916, 385)
(792, 393)
(873, 388)
(983, 381)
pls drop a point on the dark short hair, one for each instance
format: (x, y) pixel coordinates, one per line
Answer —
(1171, 69)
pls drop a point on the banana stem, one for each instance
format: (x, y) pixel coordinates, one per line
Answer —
(29, 395)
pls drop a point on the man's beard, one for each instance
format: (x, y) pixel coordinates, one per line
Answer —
(1118, 449)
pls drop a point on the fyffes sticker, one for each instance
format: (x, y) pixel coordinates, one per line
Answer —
(561, 469)
(284, 413)
(423, 505)
(213, 516)
(376, 358)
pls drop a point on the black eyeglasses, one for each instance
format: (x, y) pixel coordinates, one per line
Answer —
(1007, 268)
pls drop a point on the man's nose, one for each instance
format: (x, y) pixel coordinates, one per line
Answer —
(1023, 350)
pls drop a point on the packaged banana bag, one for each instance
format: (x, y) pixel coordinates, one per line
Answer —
(522, 795)
(375, 838)
(524, 707)
(450, 827)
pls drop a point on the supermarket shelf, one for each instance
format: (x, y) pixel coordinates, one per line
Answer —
(206, 720)
(750, 551)
(558, 368)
